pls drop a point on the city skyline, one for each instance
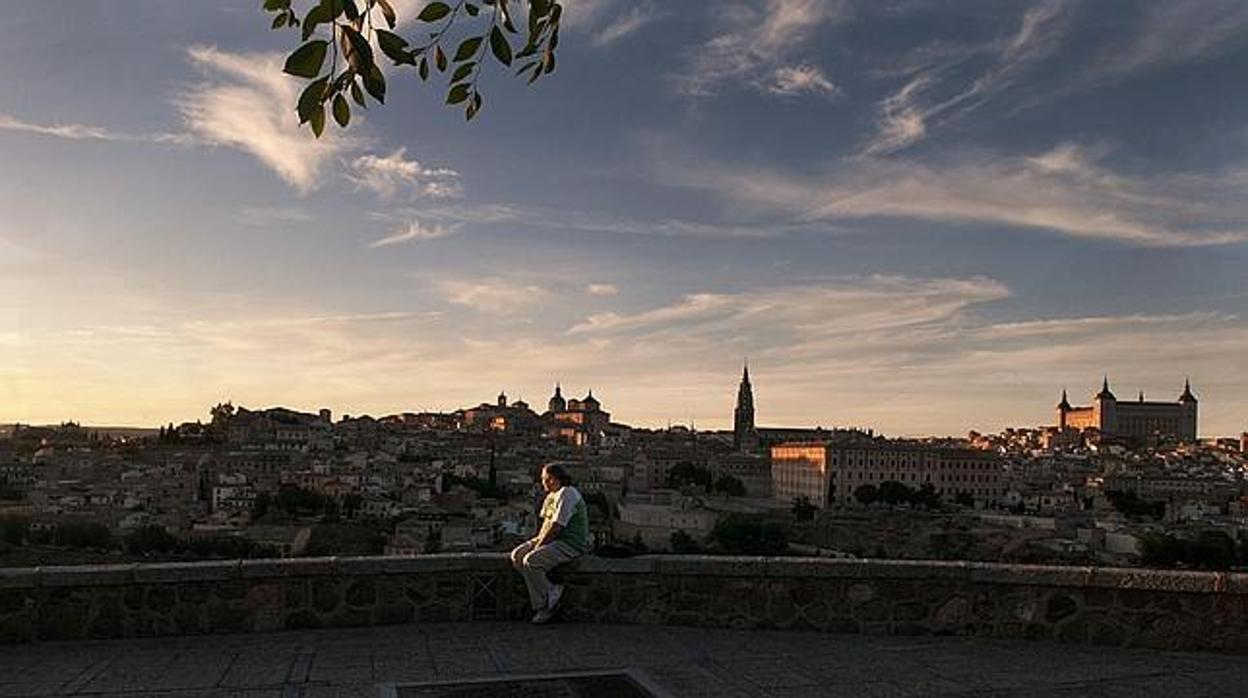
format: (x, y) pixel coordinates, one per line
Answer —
(917, 218)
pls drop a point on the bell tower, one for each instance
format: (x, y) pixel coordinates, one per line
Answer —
(744, 437)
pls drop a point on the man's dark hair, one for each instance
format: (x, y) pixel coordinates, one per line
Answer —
(559, 473)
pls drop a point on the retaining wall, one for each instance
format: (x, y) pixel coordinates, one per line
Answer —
(1125, 607)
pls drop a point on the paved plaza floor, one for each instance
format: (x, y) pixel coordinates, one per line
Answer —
(400, 661)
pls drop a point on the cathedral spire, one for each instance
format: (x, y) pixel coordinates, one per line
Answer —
(743, 435)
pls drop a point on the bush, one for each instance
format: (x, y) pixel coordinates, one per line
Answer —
(82, 534)
(741, 534)
(731, 486)
(684, 544)
(1212, 550)
(1129, 504)
(14, 530)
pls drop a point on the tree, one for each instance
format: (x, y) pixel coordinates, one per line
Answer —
(683, 544)
(14, 530)
(964, 499)
(261, 506)
(686, 473)
(866, 494)
(803, 510)
(354, 28)
(893, 492)
(742, 534)
(731, 486)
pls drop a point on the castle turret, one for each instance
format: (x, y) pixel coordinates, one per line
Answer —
(1105, 408)
(1189, 404)
(502, 399)
(1063, 409)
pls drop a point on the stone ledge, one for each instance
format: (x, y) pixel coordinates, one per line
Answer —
(19, 577)
(165, 572)
(1235, 584)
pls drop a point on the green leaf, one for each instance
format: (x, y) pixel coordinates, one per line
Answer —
(357, 94)
(306, 61)
(500, 47)
(275, 5)
(550, 62)
(361, 55)
(434, 11)
(473, 107)
(395, 47)
(441, 58)
(316, 15)
(423, 69)
(539, 8)
(278, 21)
(463, 71)
(310, 99)
(387, 11)
(457, 94)
(468, 48)
(317, 118)
(471, 9)
(342, 110)
(375, 83)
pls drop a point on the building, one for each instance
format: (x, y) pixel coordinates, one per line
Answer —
(576, 422)
(1140, 419)
(744, 437)
(831, 471)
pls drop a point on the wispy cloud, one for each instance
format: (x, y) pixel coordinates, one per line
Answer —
(627, 22)
(602, 289)
(88, 132)
(388, 175)
(415, 232)
(1065, 190)
(248, 104)
(800, 79)
(494, 296)
(757, 43)
(1171, 33)
(265, 216)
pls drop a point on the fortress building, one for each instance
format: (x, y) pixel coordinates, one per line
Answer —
(1137, 419)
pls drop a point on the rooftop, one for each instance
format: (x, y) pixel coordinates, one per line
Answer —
(674, 661)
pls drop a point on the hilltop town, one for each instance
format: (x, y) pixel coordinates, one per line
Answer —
(279, 482)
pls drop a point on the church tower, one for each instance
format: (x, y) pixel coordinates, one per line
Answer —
(1188, 403)
(744, 438)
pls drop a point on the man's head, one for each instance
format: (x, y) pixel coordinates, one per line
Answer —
(554, 477)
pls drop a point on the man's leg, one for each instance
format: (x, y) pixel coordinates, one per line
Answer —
(535, 566)
(538, 601)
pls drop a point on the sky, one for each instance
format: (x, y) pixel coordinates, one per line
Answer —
(919, 216)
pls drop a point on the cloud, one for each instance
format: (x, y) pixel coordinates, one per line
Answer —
(388, 175)
(1065, 190)
(266, 216)
(900, 122)
(1171, 33)
(624, 24)
(756, 44)
(414, 231)
(905, 116)
(87, 132)
(795, 80)
(248, 104)
(602, 289)
(494, 296)
(845, 308)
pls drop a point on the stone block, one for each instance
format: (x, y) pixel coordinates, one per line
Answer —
(712, 565)
(212, 571)
(915, 569)
(293, 567)
(1030, 575)
(19, 578)
(593, 565)
(1159, 580)
(86, 575)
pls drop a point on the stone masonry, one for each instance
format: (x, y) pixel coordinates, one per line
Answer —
(1104, 606)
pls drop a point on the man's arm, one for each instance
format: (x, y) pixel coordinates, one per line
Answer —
(550, 531)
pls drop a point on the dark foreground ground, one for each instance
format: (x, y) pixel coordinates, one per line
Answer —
(418, 661)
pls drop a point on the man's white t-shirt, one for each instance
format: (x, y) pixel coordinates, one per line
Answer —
(566, 507)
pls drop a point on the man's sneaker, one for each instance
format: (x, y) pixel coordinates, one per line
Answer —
(542, 617)
(552, 600)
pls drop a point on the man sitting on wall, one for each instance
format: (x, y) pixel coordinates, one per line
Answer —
(563, 536)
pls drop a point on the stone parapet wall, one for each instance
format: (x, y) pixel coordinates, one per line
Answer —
(1126, 607)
